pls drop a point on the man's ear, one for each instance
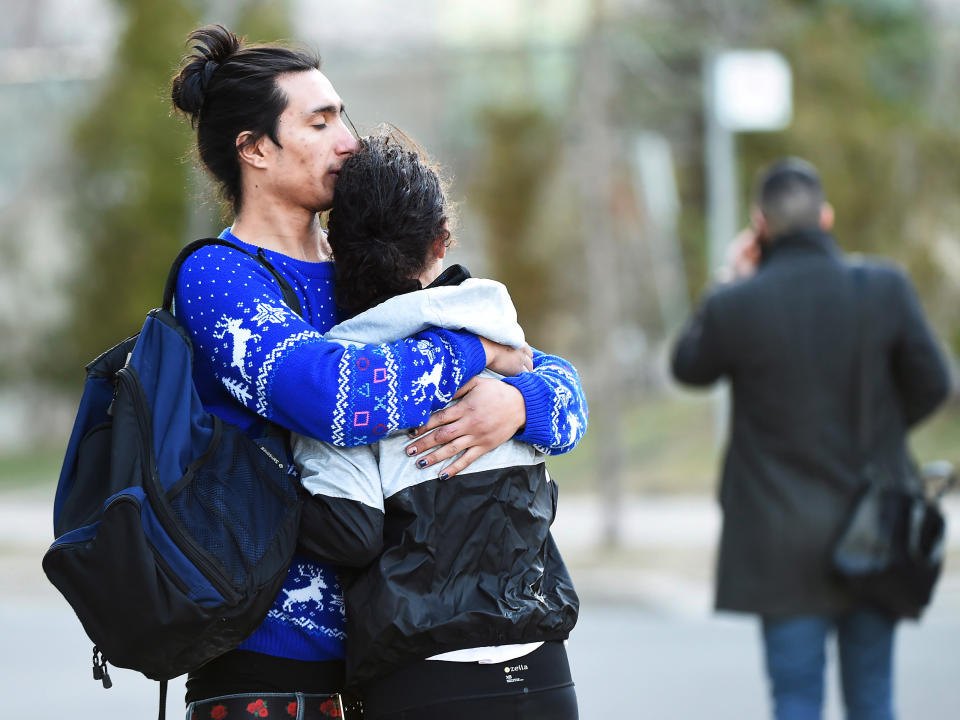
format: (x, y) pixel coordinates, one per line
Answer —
(252, 153)
(439, 248)
(827, 217)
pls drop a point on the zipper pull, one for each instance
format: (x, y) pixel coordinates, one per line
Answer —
(107, 682)
(100, 669)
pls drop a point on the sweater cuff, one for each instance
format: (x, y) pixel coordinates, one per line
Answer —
(539, 400)
(468, 347)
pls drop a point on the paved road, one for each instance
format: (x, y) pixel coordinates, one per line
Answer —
(646, 645)
(628, 661)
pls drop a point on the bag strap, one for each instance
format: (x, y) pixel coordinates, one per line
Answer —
(289, 296)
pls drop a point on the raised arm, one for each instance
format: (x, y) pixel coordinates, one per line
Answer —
(278, 366)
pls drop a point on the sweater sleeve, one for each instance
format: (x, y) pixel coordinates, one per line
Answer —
(556, 405)
(280, 367)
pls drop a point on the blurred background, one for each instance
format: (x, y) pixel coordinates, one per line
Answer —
(599, 172)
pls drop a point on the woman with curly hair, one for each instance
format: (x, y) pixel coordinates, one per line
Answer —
(461, 603)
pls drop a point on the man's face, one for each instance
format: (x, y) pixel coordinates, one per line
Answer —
(314, 142)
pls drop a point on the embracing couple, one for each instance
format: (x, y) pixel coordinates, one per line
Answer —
(427, 582)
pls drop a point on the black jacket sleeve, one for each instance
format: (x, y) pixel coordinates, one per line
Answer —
(698, 355)
(341, 531)
(920, 372)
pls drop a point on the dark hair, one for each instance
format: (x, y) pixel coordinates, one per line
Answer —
(790, 196)
(226, 88)
(389, 206)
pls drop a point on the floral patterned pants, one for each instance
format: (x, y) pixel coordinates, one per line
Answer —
(280, 706)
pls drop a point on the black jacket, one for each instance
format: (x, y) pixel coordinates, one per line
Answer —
(468, 562)
(786, 339)
(444, 564)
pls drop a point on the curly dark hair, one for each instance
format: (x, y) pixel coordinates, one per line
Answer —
(389, 207)
(226, 88)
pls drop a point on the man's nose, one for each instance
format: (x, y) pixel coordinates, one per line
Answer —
(348, 143)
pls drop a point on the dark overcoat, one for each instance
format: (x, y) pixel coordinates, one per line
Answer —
(787, 340)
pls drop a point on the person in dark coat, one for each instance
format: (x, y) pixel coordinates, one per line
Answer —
(782, 327)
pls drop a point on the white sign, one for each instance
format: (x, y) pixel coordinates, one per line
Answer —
(752, 90)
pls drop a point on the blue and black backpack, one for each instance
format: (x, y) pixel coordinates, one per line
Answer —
(174, 530)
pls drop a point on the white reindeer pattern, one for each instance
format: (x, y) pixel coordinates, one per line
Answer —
(241, 336)
(427, 380)
(305, 594)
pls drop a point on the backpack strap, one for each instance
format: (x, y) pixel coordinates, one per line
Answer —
(289, 296)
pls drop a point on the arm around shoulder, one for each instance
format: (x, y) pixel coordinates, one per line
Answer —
(556, 406)
(281, 368)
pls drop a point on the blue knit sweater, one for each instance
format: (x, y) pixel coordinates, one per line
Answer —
(255, 358)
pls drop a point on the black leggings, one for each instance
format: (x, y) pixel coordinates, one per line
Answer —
(537, 686)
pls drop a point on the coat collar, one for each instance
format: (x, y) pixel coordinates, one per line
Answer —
(801, 242)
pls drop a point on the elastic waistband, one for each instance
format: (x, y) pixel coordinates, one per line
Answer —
(434, 681)
(293, 706)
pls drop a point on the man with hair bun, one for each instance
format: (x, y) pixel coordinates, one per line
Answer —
(786, 325)
(271, 131)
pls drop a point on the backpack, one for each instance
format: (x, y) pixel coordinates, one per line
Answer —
(174, 530)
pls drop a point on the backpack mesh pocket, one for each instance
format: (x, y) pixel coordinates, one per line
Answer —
(236, 502)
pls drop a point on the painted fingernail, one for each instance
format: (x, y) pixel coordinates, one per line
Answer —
(444, 476)
(412, 432)
(411, 451)
(421, 463)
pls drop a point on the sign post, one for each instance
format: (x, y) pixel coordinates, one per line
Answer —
(744, 91)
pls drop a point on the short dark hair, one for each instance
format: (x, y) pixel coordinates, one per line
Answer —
(790, 196)
(227, 88)
(389, 207)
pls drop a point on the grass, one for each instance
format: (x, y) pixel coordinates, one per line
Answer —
(37, 467)
(669, 446)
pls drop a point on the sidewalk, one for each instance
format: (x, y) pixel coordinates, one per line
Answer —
(664, 560)
(646, 625)
(666, 554)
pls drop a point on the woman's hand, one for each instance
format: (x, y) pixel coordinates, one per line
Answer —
(505, 360)
(489, 413)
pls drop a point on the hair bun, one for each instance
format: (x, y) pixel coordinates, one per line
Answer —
(213, 46)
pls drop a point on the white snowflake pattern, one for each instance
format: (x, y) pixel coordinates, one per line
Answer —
(268, 313)
(425, 347)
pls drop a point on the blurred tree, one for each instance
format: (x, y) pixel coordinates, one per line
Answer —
(864, 74)
(129, 182)
(520, 153)
(131, 176)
